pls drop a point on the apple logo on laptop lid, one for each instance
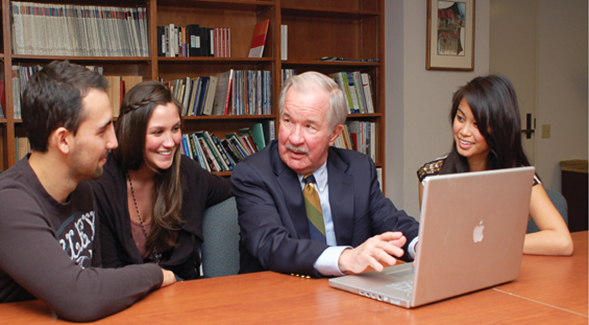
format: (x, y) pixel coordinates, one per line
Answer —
(477, 234)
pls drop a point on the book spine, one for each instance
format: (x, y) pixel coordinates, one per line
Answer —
(198, 152)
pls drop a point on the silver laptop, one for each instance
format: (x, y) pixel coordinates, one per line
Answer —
(471, 237)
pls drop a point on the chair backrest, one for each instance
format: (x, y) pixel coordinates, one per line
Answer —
(220, 249)
(561, 205)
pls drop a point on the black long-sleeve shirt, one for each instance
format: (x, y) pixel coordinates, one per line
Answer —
(50, 250)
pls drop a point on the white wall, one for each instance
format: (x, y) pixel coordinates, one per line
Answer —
(514, 55)
(562, 86)
(418, 100)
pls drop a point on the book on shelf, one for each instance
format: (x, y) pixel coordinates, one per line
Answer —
(2, 100)
(257, 133)
(192, 40)
(210, 96)
(197, 95)
(208, 155)
(247, 139)
(239, 145)
(186, 149)
(223, 95)
(215, 154)
(161, 40)
(379, 177)
(197, 151)
(20, 77)
(367, 86)
(200, 95)
(359, 136)
(269, 130)
(230, 151)
(243, 92)
(259, 39)
(357, 91)
(343, 85)
(213, 150)
(187, 87)
(223, 154)
(284, 42)
(78, 30)
(193, 97)
(287, 73)
(218, 153)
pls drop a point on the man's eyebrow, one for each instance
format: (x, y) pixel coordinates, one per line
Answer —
(106, 125)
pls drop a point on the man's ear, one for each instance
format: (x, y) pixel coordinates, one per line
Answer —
(335, 133)
(62, 140)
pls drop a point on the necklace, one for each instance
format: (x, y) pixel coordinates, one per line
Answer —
(156, 256)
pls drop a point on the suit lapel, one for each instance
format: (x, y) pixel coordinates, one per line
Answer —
(341, 197)
(293, 195)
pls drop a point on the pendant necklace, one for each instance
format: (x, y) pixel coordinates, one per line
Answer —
(156, 256)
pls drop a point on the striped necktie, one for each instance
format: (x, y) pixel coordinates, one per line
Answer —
(313, 208)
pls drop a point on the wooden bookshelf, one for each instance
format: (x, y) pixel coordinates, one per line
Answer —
(351, 29)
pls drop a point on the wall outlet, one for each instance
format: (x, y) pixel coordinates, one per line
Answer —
(545, 131)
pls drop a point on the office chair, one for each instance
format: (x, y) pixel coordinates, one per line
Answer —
(561, 205)
(220, 249)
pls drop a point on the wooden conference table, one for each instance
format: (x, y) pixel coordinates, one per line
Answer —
(549, 290)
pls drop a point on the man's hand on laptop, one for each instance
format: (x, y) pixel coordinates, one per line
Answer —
(374, 251)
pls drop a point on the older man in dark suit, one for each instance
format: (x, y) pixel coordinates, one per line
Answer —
(357, 227)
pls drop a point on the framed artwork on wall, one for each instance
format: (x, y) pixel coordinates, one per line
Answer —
(450, 35)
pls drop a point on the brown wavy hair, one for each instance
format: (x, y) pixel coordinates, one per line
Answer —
(131, 129)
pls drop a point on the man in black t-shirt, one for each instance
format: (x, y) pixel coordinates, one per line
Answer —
(49, 247)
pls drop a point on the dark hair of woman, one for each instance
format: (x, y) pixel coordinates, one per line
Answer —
(131, 127)
(494, 106)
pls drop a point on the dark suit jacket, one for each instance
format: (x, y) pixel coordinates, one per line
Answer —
(272, 218)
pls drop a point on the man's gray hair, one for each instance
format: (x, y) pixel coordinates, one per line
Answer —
(312, 81)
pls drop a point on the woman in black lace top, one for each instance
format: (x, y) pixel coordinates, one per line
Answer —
(486, 126)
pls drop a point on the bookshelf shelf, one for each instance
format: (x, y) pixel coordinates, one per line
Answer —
(213, 60)
(228, 117)
(251, 5)
(326, 13)
(351, 29)
(49, 58)
(340, 64)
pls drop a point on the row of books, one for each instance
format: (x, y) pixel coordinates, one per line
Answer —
(287, 73)
(357, 88)
(193, 40)
(20, 76)
(359, 136)
(218, 155)
(75, 30)
(197, 95)
(233, 92)
(244, 92)
(118, 86)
